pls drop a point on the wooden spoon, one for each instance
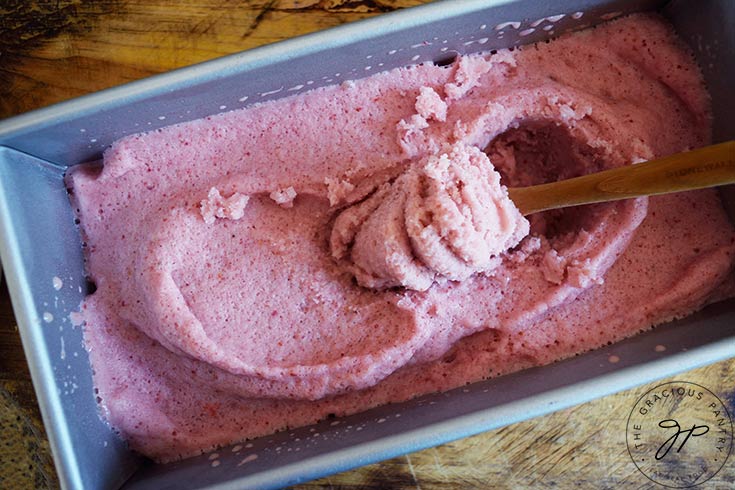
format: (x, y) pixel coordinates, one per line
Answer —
(706, 167)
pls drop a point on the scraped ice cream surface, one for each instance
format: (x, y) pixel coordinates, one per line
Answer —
(354, 245)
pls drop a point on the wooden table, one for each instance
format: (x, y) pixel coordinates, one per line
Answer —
(55, 50)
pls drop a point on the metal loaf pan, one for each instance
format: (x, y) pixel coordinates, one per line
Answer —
(39, 241)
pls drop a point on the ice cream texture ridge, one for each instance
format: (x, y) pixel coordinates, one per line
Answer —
(354, 245)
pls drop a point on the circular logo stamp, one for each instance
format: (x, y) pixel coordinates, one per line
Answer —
(679, 434)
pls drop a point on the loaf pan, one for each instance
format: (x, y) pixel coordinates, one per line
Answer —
(41, 248)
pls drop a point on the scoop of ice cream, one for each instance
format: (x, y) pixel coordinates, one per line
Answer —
(448, 216)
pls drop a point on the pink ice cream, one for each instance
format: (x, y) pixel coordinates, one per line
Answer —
(445, 217)
(354, 245)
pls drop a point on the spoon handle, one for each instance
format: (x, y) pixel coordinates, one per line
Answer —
(705, 167)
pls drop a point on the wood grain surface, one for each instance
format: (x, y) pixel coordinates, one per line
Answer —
(53, 51)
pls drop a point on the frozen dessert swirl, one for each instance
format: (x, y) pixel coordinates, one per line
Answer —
(446, 217)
